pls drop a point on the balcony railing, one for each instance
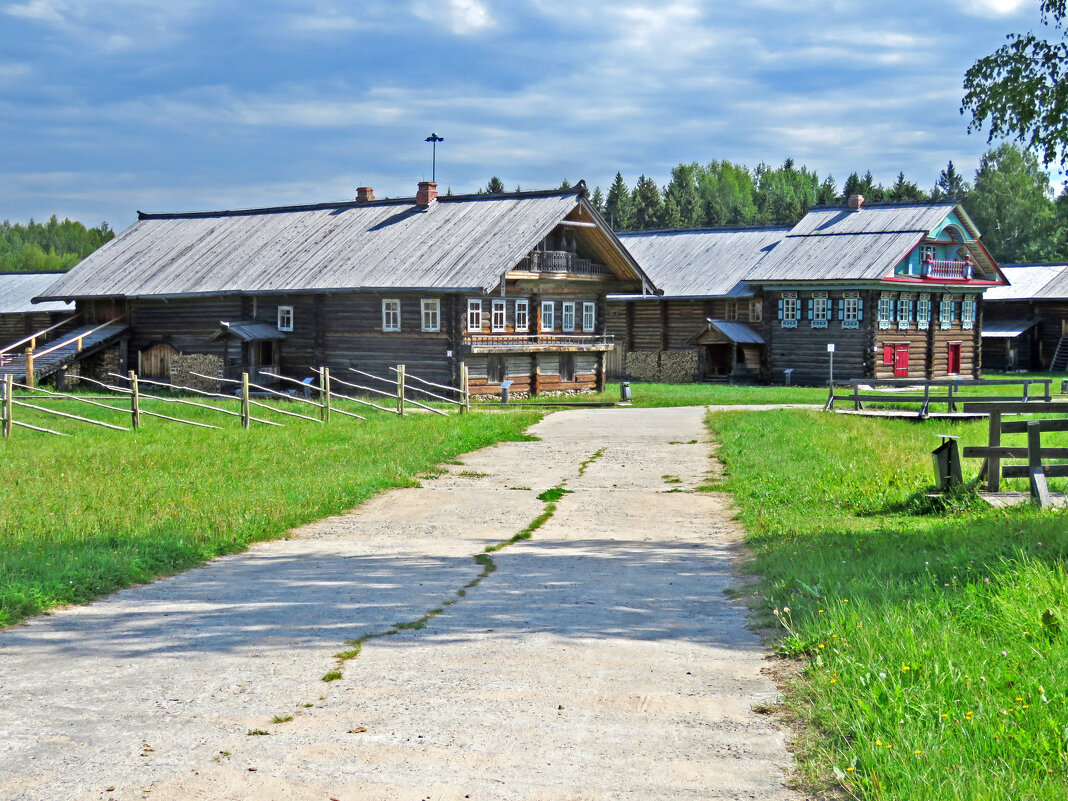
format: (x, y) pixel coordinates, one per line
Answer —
(560, 261)
(940, 268)
(529, 342)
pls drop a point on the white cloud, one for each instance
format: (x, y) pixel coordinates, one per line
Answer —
(38, 10)
(462, 17)
(10, 72)
(994, 8)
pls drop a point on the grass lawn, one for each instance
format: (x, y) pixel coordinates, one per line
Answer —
(85, 515)
(933, 638)
(645, 395)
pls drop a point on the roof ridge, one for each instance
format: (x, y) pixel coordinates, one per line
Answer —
(893, 204)
(579, 190)
(706, 229)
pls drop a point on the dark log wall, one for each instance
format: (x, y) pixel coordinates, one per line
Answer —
(185, 324)
(1038, 346)
(804, 349)
(14, 327)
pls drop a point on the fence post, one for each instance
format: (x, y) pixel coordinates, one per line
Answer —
(400, 389)
(245, 410)
(135, 399)
(5, 407)
(951, 406)
(324, 392)
(465, 386)
(993, 461)
(1039, 486)
(29, 366)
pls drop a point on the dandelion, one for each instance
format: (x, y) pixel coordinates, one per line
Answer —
(850, 769)
(917, 752)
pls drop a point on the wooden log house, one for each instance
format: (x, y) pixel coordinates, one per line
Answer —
(896, 288)
(1025, 324)
(512, 285)
(19, 316)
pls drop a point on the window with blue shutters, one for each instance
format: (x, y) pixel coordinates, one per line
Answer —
(886, 310)
(789, 310)
(923, 312)
(945, 312)
(819, 310)
(849, 310)
(967, 312)
(904, 311)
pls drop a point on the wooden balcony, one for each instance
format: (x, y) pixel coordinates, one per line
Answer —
(940, 269)
(537, 343)
(560, 261)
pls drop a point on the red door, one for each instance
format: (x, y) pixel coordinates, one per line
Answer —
(901, 361)
(953, 359)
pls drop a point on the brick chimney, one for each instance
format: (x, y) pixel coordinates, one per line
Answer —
(365, 194)
(856, 201)
(427, 194)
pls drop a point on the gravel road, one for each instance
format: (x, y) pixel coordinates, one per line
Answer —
(600, 660)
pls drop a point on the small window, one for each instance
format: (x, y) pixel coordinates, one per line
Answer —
(904, 311)
(886, 310)
(849, 311)
(589, 317)
(756, 310)
(497, 321)
(391, 315)
(431, 308)
(567, 314)
(789, 310)
(285, 318)
(819, 311)
(967, 312)
(522, 315)
(923, 312)
(474, 316)
(945, 312)
(548, 315)
(567, 366)
(732, 310)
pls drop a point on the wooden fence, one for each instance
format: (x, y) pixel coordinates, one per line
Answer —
(321, 387)
(994, 452)
(924, 393)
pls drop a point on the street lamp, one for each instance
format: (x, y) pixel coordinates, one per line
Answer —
(434, 139)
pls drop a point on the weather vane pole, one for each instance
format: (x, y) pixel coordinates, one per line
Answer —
(434, 139)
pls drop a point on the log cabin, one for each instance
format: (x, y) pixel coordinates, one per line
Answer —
(896, 288)
(1025, 323)
(512, 285)
(19, 316)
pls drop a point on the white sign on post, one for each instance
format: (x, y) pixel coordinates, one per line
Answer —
(830, 347)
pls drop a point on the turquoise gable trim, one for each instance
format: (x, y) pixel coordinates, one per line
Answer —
(955, 221)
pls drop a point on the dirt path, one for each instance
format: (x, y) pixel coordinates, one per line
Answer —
(600, 660)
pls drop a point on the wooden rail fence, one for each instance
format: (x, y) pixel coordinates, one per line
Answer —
(865, 390)
(322, 387)
(1037, 471)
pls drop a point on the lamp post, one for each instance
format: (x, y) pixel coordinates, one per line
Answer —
(434, 139)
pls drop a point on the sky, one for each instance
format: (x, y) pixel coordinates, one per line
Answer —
(110, 106)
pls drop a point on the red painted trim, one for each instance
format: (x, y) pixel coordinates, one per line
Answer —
(912, 279)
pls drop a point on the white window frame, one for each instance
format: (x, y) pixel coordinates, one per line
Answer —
(391, 307)
(850, 311)
(589, 316)
(756, 310)
(430, 314)
(285, 318)
(945, 312)
(967, 312)
(904, 311)
(820, 310)
(923, 311)
(567, 316)
(731, 312)
(474, 316)
(548, 315)
(886, 310)
(499, 316)
(791, 309)
(522, 315)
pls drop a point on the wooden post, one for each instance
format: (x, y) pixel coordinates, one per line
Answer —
(856, 397)
(324, 392)
(952, 406)
(465, 387)
(601, 372)
(993, 474)
(1039, 486)
(5, 408)
(135, 399)
(400, 389)
(245, 410)
(29, 366)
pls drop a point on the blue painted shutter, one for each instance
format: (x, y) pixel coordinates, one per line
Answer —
(860, 309)
(811, 307)
(841, 308)
(780, 308)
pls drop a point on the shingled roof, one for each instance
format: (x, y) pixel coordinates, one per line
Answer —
(702, 262)
(459, 243)
(1032, 282)
(18, 289)
(837, 243)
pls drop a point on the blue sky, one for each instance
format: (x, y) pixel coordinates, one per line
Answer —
(108, 107)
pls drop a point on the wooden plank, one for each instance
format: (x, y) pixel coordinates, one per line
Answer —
(993, 477)
(1039, 486)
(5, 408)
(135, 399)
(1019, 407)
(1020, 426)
(1011, 452)
(1024, 471)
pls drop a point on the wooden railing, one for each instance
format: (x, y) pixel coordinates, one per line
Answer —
(994, 452)
(864, 390)
(561, 261)
(32, 338)
(505, 341)
(940, 268)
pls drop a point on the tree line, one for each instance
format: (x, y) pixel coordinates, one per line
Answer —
(1009, 199)
(53, 245)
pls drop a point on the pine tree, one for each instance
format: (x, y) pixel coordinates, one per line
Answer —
(827, 193)
(495, 186)
(681, 193)
(648, 205)
(565, 184)
(950, 185)
(618, 207)
(905, 190)
(597, 199)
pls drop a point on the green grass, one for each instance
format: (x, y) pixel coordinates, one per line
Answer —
(932, 635)
(645, 395)
(85, 515)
